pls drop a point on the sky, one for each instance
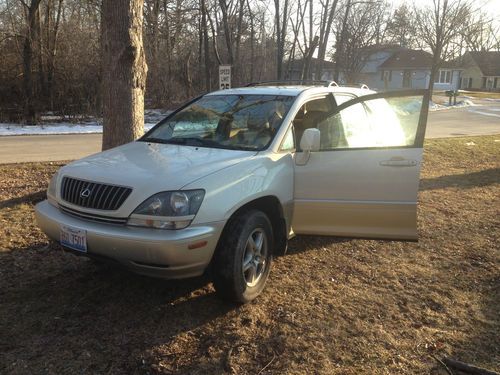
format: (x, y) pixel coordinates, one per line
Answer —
(491, 7)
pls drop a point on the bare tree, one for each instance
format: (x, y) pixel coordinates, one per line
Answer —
(479, 33)
(206, 47)
(327, 17)
(124, 71)
(281, 22)
(360, 27)
(341, 35)
(401, 28)
(31, 38)
(438, 25)
(52, 22)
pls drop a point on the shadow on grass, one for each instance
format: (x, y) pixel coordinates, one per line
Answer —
(304, 243)
(32, 198)
(90, 317)
(478, 346)
(463, 181)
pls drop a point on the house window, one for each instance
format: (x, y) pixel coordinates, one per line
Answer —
(443, 76)
(386, 75)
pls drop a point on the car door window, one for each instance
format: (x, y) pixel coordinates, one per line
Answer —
(310, 115)
(377, 122)
(288, 142)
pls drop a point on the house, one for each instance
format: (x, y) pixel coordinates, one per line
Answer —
(481, 70)
(295, 67)
(393, 67)
(375, 56)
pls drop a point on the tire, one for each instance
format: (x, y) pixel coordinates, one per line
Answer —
(243, 258)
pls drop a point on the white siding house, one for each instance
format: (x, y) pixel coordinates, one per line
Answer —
(396, 68)
(481, 70)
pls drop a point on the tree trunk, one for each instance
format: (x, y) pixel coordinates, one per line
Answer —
(339, 48)
(51, 65)
(214, 39)
(206, 50)
(38, 37)
(281, 27)
(252, 41)
(307, 61)
(28, 83)
(279, 53)
(237, 69)
(154, 82)
(124, 71)
(323, 43)
(227, 33)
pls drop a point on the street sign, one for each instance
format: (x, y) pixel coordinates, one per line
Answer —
(224, 77)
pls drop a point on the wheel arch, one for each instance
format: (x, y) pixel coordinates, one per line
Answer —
(272, 207)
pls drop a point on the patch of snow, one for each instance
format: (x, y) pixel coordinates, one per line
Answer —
(151, 118)
(460, 104)
(59, 128)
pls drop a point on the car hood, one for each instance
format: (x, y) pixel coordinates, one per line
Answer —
(154, 167)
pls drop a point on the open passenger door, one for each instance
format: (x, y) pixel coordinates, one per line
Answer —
(363, 180)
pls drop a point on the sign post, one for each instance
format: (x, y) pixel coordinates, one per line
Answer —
(224, 77)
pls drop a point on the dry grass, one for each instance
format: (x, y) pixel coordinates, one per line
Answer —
(332, 306)
(482, 94)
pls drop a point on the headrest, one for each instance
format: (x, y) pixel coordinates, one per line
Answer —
(320, 105)
(254, 122)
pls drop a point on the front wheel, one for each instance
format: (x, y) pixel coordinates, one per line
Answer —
(243, 258)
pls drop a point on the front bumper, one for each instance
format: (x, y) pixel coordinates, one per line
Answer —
(151, 252)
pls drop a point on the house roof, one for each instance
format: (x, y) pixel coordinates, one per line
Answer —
(487, 61)
(382, 47)
(408, 59)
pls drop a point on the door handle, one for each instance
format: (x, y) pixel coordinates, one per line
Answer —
(398, 162)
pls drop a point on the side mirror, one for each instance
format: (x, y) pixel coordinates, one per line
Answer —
(310, 140)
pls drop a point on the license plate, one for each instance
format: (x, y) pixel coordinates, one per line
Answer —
(74, 238)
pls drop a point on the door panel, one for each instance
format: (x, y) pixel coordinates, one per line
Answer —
(349, 193)
(364, 180)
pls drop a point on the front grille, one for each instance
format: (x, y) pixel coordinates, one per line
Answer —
(92, 217)
(93, 195)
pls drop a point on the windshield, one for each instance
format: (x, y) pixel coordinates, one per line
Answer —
(240, 122)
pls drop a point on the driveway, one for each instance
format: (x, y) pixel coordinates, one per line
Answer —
(483, 119)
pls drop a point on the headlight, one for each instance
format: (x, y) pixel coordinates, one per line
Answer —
(51, 190)
(168, 210)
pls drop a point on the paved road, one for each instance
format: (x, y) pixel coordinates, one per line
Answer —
(26, 148)
(483, 119)
(479, 120)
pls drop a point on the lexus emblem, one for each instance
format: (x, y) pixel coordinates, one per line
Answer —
(85, 193)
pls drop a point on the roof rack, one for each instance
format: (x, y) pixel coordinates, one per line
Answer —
(300, 82)
(358, 85)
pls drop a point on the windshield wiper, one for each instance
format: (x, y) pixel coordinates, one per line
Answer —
(190, 141)
(177, 140)
(154, 140)
(194, 141)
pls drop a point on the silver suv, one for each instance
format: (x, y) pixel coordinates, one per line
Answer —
(222, 183)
